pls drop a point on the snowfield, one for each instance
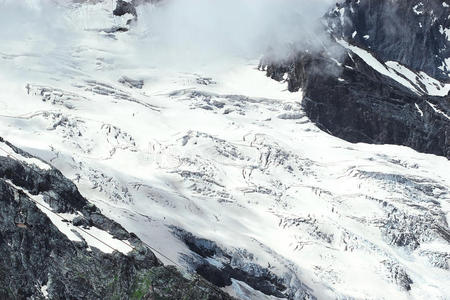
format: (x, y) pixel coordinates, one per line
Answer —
(227, 154)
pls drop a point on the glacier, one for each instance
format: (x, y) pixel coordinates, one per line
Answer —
(225, 154)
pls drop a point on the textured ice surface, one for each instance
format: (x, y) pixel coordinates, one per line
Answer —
(227, 154)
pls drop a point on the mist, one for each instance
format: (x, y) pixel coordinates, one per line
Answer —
(213, 31)
(40, 27)
(177, 33)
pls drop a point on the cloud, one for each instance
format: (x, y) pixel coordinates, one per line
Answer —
(207, 31)
(34, 26)
(171, 33)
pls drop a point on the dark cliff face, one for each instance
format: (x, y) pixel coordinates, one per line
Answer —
(411, 32)
(362, 105)
(38, 260)
(349, 99)
(228, 266)
(129, 7)
(124, 7)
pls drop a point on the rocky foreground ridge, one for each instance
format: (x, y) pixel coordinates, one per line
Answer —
(55, 244)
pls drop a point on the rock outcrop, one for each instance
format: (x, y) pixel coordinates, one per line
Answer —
(413, 32)
(129, 7)
(221, 267)
(39, 210)
(348, 98)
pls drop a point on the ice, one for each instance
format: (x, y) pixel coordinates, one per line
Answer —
(204, 149)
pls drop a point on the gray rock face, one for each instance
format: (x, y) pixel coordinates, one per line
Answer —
(132, 83)
(408, 31)
(125, 7)
(129, 7)
(356, 103)
(38, 261)
(220, 267)
(364, 106)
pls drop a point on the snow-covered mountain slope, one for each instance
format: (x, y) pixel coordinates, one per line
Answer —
(220, 170)
(57, 245)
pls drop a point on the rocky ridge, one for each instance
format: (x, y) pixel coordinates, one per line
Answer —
(353, 100)
(40, 259)
(414, 33)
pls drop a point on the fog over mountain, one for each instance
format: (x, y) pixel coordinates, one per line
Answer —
(203, 31)
(181, 32)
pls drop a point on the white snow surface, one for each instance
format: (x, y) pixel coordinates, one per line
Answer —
(7, 151)
(44, 291)
(418, 82)
(228, 154)
(93, 236)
